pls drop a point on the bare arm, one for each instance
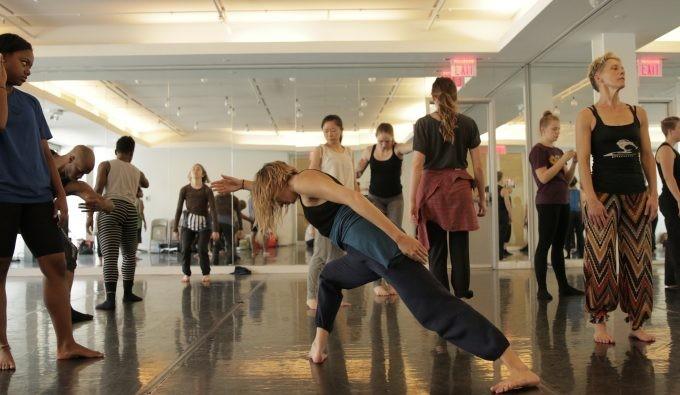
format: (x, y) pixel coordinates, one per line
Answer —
(416, 175)
(505, 193)
(404, 148)
(312, 184)
(102, 177)
(60, 206)
(646, 155)
(479, 179)
(363, 162)
(665, 156)
(544, 174)
(178, 210)
(143, 182)
(584, 126)
(315, 159)
(93, 200)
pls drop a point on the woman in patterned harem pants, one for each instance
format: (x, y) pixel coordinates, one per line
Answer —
(620, 201)
(627, 222)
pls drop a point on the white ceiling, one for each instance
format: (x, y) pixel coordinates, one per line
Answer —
(331, 61)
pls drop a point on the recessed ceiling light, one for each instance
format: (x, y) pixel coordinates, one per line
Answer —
(371, 79)
(204, 80)
(136, 82)
(291, 79)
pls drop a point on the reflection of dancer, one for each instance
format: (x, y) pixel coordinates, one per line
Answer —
(668, 162)
(119, 181)
(390, 379)
(375, 248)
(552, 176)
(575, 230)
(200, 221)
(385, 188)
(29, 184)
(618, 205)
(336, 160)
(441, 188)
(554, 359)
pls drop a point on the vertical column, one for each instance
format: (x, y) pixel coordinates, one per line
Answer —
(537, 99)
(623, 45)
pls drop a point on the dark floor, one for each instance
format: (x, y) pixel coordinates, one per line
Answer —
(251, 335)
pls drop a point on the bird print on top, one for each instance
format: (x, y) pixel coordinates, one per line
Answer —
(628, 150)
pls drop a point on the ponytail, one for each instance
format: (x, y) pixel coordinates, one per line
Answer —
(447, 96)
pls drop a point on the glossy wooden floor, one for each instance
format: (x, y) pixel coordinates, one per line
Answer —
(251, 335)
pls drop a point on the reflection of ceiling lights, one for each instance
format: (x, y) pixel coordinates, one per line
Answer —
(573, 102)
(556, 111)
(179, 112)
(196, 125)
(570, 91)
(371, 79)
(363, 103)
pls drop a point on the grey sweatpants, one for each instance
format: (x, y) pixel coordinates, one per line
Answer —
(324, 252)
(393, 208)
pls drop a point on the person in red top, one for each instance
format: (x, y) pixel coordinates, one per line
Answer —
(441, 188)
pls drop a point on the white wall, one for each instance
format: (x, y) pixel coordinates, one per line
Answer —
(167, 170)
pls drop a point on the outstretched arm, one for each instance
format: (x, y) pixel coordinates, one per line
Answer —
(92, 200)
(316, 185)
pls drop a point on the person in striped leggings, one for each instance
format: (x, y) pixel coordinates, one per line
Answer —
(119, 180)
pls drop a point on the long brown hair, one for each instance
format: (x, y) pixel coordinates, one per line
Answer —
(270, 180)
(205, 178)
(447, 95)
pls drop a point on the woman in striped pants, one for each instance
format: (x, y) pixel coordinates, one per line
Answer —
(119, 180)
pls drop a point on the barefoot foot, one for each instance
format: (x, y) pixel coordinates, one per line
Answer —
(317, 353)
(185, 279)
(206, 279)
(380, 291)
(518, 379)
(75, 350)
(601, 335)
(345, 304)
(311, 304)
(6, 358)
(642, 336)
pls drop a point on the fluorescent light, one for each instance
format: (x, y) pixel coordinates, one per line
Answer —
(673, 35)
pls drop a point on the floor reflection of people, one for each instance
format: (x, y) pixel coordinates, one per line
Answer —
(120, 368)
(383, 379)
(331, 377)
(673, 322)
(555, 362)
(447, 377)
(601, 374)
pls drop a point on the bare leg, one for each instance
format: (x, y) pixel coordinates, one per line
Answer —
(317, 353)
(520, 375)
(6, 359)
(601, 335)
(57, 303)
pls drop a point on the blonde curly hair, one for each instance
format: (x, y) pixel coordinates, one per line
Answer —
(270, 180)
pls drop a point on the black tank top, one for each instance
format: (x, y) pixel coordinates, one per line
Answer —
(616, 156)
(385, 176)
(321, 217)
(665, 192)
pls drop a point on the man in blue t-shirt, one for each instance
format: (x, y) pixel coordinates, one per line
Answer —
(29, 181)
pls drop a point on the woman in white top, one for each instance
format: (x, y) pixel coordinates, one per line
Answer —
(335, 159)
(119, 181)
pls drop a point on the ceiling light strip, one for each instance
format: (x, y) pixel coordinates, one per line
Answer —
(260, 96)
(390, 96)
(434, 13)
(12, 14)
(126, 96)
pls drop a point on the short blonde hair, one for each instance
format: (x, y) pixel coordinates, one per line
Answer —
(597, 65)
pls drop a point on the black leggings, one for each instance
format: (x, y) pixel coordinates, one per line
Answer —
(669, 209)
(188, 237)
(553, 221)
(458, 247)
(431, 304)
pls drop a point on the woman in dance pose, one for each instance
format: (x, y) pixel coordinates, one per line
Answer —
(384, 191)
(552, 176)
(200, 203)
(668, 161)
(375, 248)
(618, 204)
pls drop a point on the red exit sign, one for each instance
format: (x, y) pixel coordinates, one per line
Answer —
(650, 67)
(463, 66)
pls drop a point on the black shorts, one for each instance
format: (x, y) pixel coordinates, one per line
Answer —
(36, 224)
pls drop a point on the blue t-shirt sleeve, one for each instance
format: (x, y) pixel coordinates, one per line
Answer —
(40, 120)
